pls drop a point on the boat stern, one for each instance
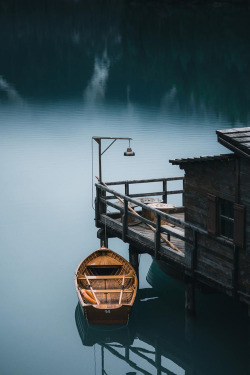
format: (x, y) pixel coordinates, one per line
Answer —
(107, 315)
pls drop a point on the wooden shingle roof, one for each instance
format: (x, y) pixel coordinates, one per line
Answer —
(236, 140)
(202, 159)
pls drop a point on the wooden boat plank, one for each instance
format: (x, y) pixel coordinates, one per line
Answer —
(104, 260)
(106, 277)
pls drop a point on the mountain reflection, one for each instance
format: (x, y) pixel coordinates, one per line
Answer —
(159, 339)
(177, 59)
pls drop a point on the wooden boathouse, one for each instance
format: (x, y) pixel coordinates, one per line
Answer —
(205, 242)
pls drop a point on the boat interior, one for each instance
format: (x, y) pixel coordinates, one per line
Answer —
(109, 280)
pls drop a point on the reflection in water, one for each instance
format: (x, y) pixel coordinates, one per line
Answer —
(169, 77)
(161, 340)
(179, 60)
(95, 91)
(91, 334)
(10, 91)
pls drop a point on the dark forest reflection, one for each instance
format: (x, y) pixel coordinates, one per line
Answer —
(178, 59)
(161, 336)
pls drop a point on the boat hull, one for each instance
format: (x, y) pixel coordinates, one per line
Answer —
(94, 315)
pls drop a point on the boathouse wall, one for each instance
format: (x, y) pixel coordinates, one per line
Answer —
(215, 178)
(244, 258)
(226, 266)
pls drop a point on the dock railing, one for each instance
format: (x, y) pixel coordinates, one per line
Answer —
(163, 193)
(105, 195)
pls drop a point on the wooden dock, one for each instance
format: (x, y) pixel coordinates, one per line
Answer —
(141, 237)
(181, 253)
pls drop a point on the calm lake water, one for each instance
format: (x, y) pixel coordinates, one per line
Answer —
(167, 76)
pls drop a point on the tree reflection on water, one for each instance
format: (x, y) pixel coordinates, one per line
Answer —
(180, 59)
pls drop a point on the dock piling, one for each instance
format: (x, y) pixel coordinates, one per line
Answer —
(190, 298)
(134, 260)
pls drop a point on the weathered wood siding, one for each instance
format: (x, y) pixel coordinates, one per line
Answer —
(244, 258)
(214, 260)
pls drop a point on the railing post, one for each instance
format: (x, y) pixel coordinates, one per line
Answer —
(183, 193)
(126, 188)
(165, 195)
(97, 206)
(157, 236)
(103, 206)
(125, 221)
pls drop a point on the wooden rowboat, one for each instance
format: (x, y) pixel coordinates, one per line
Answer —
(106, 286)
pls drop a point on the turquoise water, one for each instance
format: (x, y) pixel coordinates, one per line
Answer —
(168, 77)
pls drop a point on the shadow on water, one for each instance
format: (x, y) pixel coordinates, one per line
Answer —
(178, 58)
(160, 337)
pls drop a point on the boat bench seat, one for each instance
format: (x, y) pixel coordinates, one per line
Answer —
(101, 277)
(113, 290)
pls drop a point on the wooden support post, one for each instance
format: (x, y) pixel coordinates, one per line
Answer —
(103, 207)
(100, 208)
(182, 196)
(125, 221)
(157, 357)
(134, 260)
(189, 329)
(190, 284)
(100, 158)
(127, 353)
(194, 254)
(165, 195)
(97, 206)
(126, 188)
(103, 371)
(105, 242)
(157, 236)
(103, 236)
(190, 311)
(235, 271)
(190, 297)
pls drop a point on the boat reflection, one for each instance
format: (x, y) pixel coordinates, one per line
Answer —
(99, 334)
(160, 339)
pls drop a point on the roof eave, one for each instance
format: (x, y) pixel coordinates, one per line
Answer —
(232, 147)
(202, 159)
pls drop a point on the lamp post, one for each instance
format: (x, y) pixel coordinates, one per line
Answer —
(129, 151)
